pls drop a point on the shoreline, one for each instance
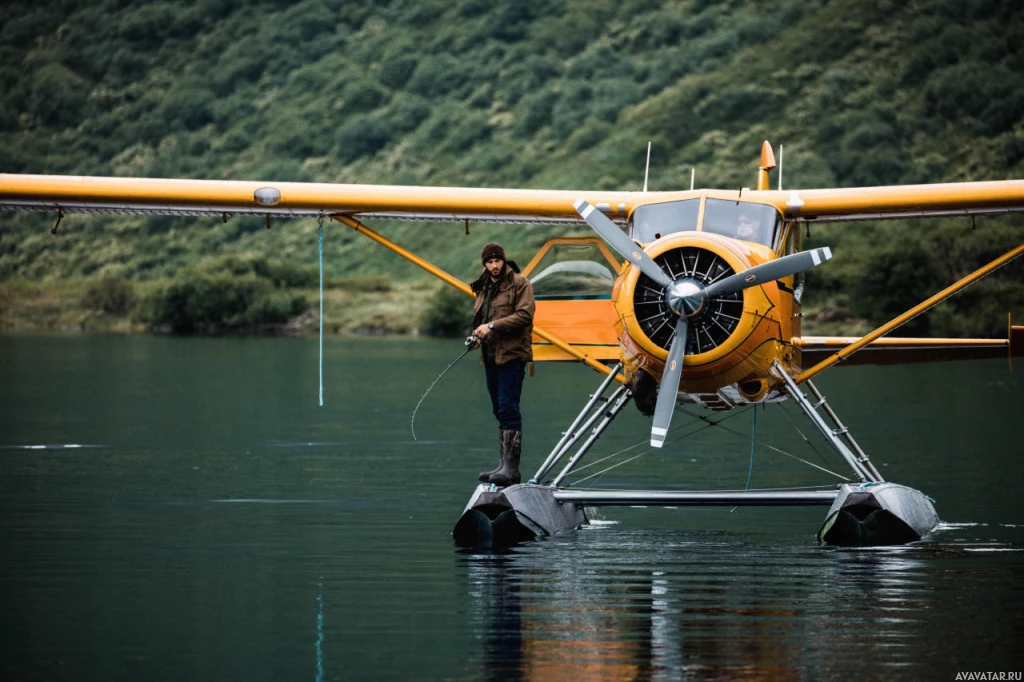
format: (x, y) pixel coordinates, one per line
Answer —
(59, 307)
(351, 308)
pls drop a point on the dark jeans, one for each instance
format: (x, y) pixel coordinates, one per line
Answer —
(505, 384)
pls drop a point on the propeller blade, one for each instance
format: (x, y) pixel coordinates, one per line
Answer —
(618, 240)
(669, 387)
(772, 270)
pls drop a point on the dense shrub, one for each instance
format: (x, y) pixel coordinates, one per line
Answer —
(229, 292)
(280, 273)
(364, 97)
(571, 108)
(535, 111)
(450, 313)
(470, 128)
(363, 283)
(212, 303)
(188, 107)
(406, 112)
(110, 294)
(58, 95)
(898, 278)
(360, 136)
(395, 72)
(438, 75)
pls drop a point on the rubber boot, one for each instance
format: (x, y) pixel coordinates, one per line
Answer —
(511, 446)
(486, 476)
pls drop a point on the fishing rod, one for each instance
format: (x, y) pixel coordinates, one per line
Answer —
(471, 343)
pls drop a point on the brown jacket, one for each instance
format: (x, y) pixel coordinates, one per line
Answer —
(512, 314)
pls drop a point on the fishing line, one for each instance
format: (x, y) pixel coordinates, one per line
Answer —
(707, 423)
(471, 343)
(606, 458)
(613, 466)
(700, 427)
(644, 441)
(804, 461)
(806, 439)
(766, 445)
(645, 452)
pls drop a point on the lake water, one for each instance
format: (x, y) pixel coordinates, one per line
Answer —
(183, 509)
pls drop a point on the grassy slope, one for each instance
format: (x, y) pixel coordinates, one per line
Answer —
(537, 94)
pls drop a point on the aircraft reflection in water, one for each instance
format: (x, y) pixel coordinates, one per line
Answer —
(700, 608)
(702, 308)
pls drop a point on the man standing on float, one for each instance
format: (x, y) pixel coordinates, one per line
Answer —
(503, 324)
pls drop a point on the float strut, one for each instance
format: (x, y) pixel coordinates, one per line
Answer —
(572, 434)
(859, 462)
(617, 401)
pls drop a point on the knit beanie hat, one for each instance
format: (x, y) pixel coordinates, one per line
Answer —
(490, 251)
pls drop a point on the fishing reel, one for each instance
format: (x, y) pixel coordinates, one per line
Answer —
(472, 342)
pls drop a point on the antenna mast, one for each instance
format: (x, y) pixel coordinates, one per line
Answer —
(780, 167)
(647, 169)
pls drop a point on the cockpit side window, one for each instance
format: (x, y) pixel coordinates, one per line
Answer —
(654, 221)
(750, 222)
(576, 271)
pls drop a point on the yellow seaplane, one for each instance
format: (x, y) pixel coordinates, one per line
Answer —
(681, 297)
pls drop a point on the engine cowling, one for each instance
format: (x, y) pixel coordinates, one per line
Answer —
(724, 324)
(709, 327)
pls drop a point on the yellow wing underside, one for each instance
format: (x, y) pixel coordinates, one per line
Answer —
(219, 197)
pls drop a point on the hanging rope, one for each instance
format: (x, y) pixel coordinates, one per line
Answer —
(320, 630)
(320, 229)
(753, 439)
(750, 471)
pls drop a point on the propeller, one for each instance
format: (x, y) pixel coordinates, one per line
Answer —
(618, 240)
(767, 272)
(666, 404)
(686, 296)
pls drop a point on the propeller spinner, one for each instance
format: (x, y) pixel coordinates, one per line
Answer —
(686, 297)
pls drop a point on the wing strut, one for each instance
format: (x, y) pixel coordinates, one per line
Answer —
(464, 288)
(910, 314)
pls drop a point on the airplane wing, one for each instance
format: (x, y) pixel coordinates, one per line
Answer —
(896, 351)
(76, 194)
(907, 201)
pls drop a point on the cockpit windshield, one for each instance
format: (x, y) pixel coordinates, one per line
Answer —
(743, 220)
(654, 221)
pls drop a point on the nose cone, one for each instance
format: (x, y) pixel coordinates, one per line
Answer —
(685, 297)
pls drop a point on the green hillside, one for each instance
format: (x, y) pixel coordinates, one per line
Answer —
(522, 93)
